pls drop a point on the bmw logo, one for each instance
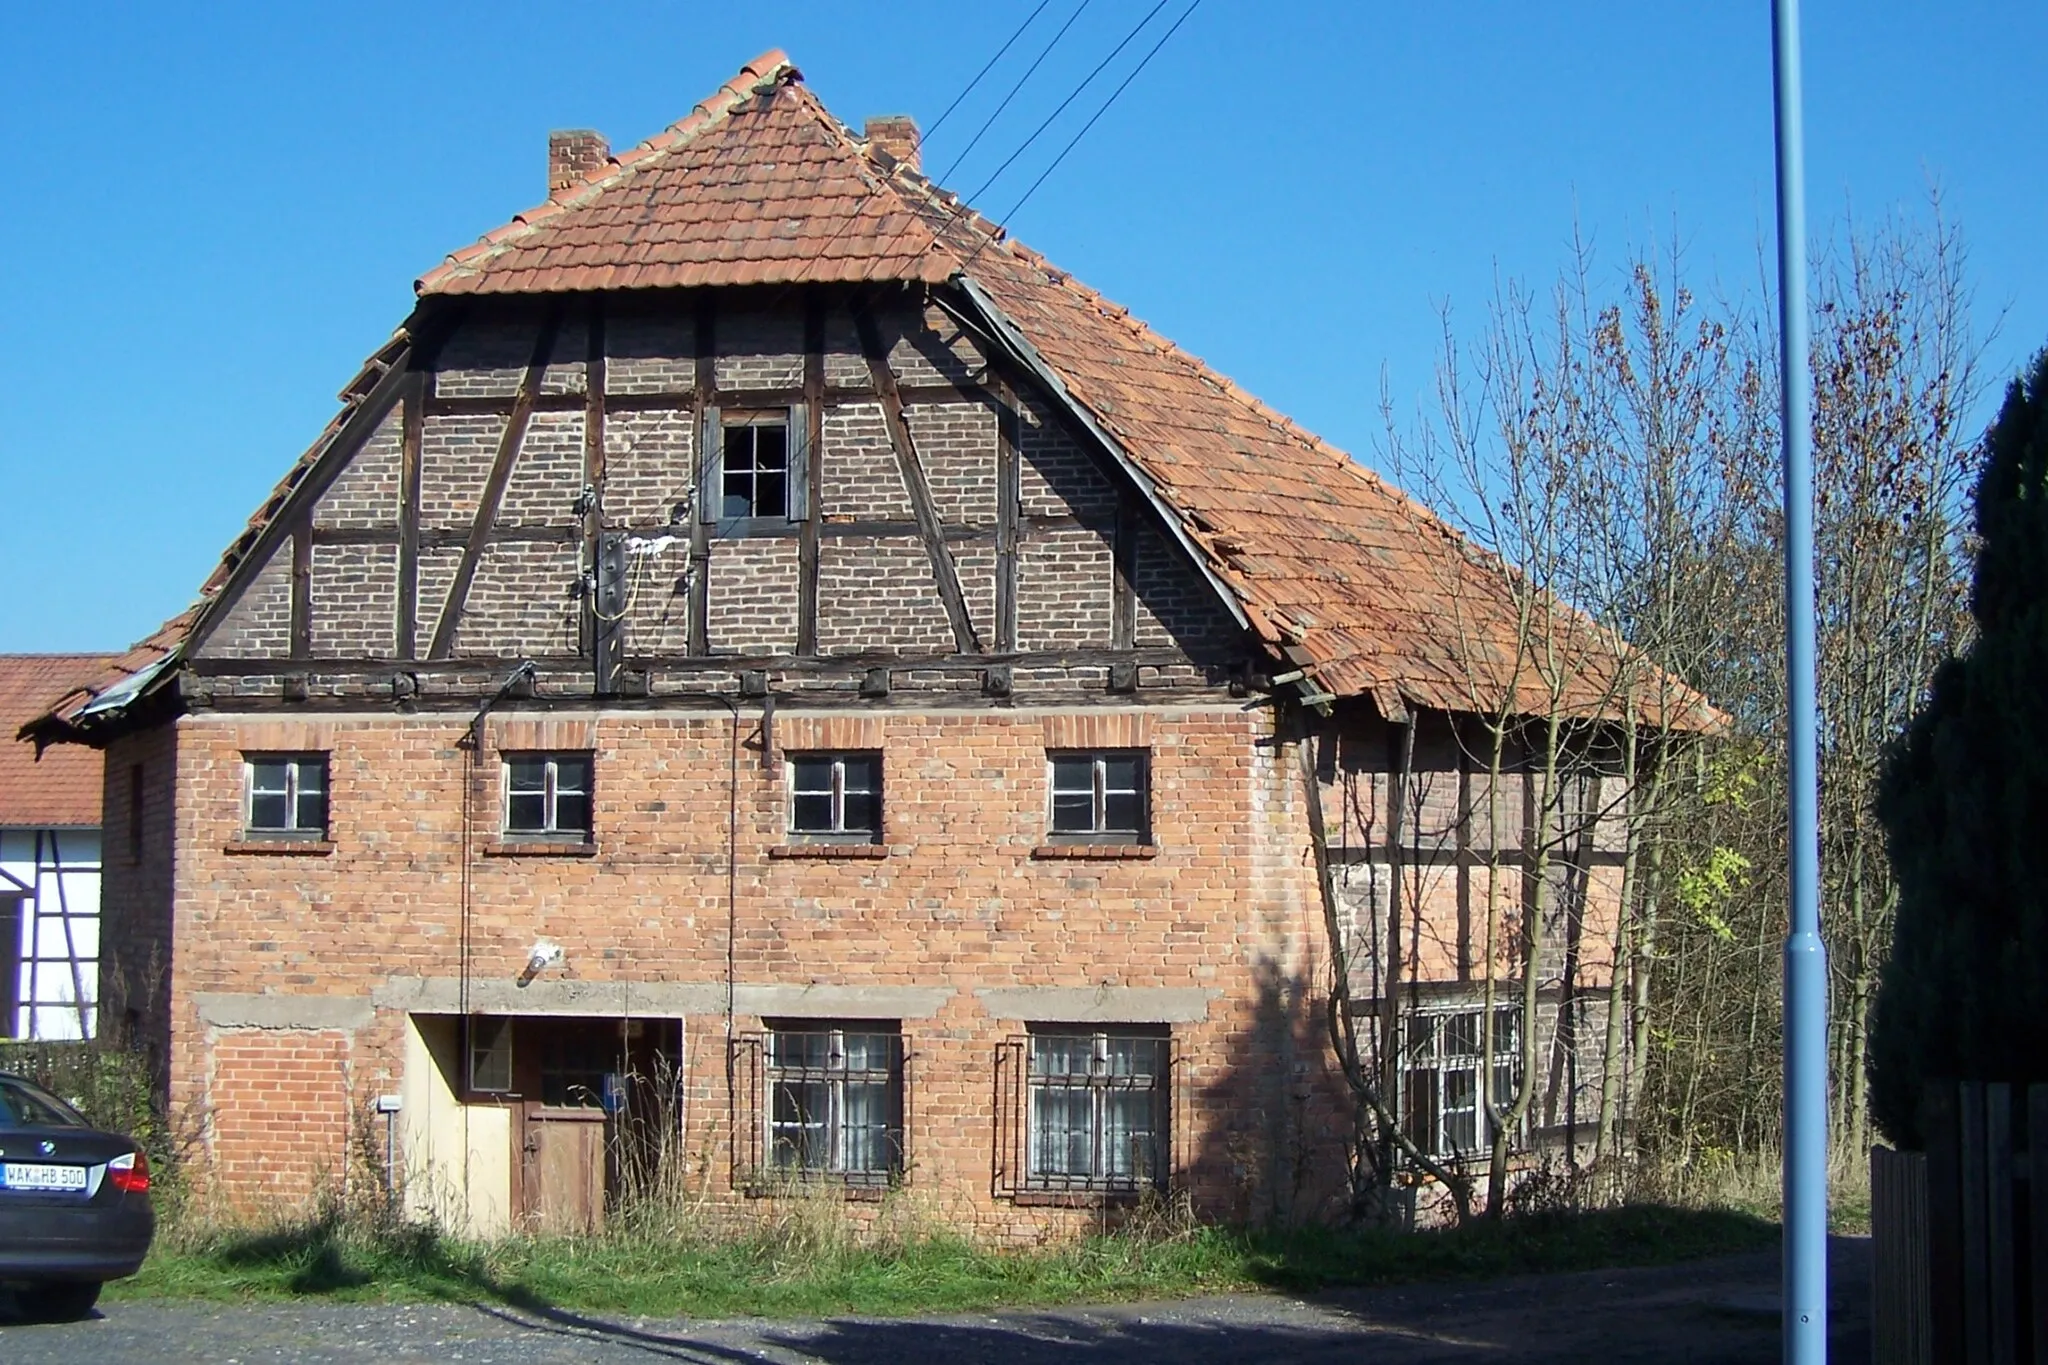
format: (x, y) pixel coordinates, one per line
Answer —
(48, 1147)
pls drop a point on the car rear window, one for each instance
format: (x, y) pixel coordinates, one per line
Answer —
(26, 1106)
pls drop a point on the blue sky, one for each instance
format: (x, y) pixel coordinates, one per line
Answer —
(216, 211)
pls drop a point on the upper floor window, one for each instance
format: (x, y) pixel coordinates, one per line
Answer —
(547, 796)
(1100, 795)
(836, 796)
(287, 795)
(755, 473)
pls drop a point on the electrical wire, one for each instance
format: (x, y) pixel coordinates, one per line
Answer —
(1086, 81)
(988, 66)
(966, 201)
(1092, 120)
(1029, 71)
(967, 90)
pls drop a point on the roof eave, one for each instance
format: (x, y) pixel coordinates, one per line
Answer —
(1005, 331)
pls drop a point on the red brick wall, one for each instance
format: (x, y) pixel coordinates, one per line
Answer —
(280, 1114)
(961, 899)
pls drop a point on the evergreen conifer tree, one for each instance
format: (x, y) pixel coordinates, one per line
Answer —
(1964, 803)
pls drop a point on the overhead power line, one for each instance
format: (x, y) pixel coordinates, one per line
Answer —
(966, 201)
(1086, 81)
(965, 91)
(1074, 141)
(987, 67)
(1025, 197)
(1029, 71)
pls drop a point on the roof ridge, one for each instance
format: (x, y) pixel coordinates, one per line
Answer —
(885, 175)
(770, 69)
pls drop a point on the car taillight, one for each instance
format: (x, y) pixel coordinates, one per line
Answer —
(130, 1173)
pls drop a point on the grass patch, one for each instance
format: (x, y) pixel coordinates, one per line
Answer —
(776, 1276)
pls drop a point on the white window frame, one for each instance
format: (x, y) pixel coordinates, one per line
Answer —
(836, 1076)
(1101, 1082)
(837, 831)
(551, 828)
(1099, 830)
(1427, 1060)
(295, 767)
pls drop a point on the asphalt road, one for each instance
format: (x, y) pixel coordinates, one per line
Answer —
(1719, 1312)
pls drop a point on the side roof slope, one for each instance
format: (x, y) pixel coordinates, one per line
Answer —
(60, 787)
(1333, 568)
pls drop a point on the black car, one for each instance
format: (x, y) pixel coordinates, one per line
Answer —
(74, 1203)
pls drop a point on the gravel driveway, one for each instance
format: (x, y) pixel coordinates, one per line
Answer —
(1722, 1311)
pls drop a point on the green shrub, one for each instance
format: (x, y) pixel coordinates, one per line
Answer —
(1964, 802)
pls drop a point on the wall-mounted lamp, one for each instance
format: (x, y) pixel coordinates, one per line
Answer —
(546, 953)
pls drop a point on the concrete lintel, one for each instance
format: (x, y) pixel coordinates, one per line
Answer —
(1099, 1004)
(847, 1002)
(663, 999)
(346, 1013)
(650, 999)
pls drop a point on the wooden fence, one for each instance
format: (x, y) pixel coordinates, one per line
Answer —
(1960, 1234)
(1899, 1331)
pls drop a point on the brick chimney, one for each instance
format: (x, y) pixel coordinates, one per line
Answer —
(572, 154)
(897, 135)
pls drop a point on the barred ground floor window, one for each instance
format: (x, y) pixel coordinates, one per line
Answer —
(1097, 1109)
(828, 1100)
(1444, 1064)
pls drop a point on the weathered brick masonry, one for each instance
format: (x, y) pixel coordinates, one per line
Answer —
(963, 902)
(973, 543)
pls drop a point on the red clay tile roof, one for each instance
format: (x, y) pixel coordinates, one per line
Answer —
(1382, 596)
(759, 185)
(1340, 572)
(62, 786)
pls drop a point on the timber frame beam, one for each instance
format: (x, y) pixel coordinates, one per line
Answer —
(494, 488)
(347, 434)
(945, 573)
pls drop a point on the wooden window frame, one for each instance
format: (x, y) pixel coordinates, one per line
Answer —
(550, 830)
(1429, 1063)
(1099, 791)
(1099, 1083)
(836, 831)
(759, 1167)
(295, 765)
(715, 429)
(500, 1031)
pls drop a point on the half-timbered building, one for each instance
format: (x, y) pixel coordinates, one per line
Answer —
(761, 654)
(49, 859)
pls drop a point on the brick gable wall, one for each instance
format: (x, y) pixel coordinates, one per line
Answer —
(876, 587)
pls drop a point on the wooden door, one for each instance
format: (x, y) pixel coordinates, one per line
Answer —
(562, 1169)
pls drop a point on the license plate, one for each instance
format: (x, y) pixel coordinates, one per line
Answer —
(24, 1175)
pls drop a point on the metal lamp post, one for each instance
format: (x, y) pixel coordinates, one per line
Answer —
(1806, 1067)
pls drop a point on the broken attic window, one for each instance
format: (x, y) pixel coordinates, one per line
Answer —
(756, 469)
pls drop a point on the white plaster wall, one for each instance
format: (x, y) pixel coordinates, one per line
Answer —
(458, 1157)
(59, 949)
